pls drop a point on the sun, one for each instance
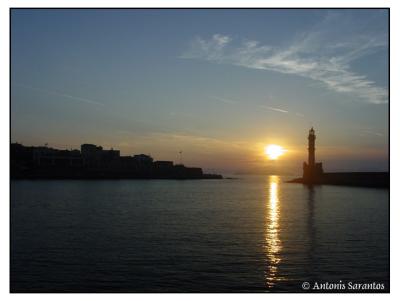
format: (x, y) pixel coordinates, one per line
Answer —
(273, 151)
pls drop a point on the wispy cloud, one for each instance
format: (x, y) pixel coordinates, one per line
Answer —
(322, 54)
(234, 102)
(274, 109)
(367, 132)
(192, 139)
(60, 94)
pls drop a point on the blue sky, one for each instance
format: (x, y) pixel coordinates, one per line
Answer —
(217, 84)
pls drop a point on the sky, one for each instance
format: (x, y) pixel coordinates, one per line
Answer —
(218, 85)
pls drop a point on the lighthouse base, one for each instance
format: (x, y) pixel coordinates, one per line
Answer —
(312, 172)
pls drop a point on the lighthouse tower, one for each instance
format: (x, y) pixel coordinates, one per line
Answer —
(311, 170)
(311, 148)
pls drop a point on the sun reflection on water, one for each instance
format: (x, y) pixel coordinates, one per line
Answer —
(273, 244)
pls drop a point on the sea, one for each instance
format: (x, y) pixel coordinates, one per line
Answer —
(252, 234)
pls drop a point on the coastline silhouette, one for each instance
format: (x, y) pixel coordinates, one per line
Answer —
(93, 162)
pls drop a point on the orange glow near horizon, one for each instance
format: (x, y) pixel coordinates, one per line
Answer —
(274, 151)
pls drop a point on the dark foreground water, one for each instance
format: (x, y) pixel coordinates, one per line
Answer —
(255, 234)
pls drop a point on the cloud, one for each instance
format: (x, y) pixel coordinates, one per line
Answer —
(189, 141)
(67, 96)
(323, 54)
(213, 48)
(234, 102)
(367, 132)
(274, 109)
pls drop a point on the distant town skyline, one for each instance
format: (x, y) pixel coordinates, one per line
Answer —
(218, 85)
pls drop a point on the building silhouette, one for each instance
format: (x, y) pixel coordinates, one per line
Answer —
(312, 170)
(92, 162)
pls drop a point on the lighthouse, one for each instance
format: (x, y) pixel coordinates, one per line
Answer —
(311, 170)
(311, 147)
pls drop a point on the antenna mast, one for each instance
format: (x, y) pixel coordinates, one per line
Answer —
(180, 157)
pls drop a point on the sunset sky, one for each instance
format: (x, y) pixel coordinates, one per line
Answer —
(219, 85)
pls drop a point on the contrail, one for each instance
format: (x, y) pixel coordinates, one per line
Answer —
(49, 92)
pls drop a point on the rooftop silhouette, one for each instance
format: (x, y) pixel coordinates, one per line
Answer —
(94, 162)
